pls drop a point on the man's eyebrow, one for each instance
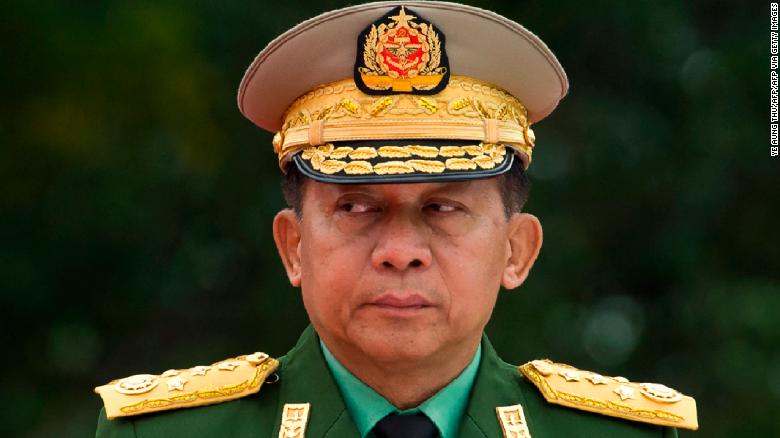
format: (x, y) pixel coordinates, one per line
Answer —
(343, 188)
(437, 187)
(453, 186)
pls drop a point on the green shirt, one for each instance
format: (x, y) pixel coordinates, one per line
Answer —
(367, 407)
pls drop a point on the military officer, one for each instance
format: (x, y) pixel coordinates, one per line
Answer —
(403, 131)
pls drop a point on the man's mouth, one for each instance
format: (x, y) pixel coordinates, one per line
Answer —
(401, 303)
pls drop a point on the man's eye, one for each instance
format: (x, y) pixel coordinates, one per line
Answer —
(441, 208)
(356, 207)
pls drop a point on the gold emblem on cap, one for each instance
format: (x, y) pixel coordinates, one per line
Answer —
(402, 56)
(137, 384)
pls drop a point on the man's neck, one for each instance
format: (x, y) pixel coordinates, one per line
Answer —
(406, 384)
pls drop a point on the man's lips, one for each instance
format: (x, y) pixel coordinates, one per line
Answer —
(400, 301)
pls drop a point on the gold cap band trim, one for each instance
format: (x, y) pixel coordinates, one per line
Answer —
(498, 132)
(468, 109)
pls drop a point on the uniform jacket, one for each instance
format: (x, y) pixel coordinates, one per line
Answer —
(303, 377)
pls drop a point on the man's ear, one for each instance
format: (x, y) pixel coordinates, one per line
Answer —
(287, 235)
(523, 244)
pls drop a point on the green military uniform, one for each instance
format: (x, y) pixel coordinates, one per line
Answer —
(303, 377)
(404, 105)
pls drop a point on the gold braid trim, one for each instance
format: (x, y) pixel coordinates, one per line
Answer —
(339, 112)
(329, 159)
(617, 407)
(540, 382)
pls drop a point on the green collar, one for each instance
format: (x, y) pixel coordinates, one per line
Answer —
(367, 407)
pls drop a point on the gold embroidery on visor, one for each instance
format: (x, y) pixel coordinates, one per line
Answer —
(329, 159)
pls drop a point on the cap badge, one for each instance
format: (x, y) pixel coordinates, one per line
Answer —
(401, 53)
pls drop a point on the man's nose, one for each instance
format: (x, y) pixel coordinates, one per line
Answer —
(403, 243)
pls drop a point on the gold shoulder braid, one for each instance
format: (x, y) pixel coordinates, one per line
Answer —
(197, 386)
(615, 396)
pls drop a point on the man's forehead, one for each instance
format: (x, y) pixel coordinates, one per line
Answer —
(448, 187)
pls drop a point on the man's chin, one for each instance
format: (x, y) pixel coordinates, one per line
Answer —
(390, 345)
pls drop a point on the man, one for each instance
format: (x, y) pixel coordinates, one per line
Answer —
(404, 161)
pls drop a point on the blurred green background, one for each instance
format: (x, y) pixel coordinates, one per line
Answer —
(136, 202)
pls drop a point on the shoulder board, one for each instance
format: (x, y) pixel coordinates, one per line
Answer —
(197, 386)
(614, 396)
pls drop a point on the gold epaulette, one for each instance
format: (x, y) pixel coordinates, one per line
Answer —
(615, 396)
(197, 386)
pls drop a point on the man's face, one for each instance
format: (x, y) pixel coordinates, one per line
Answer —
(404, 271)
